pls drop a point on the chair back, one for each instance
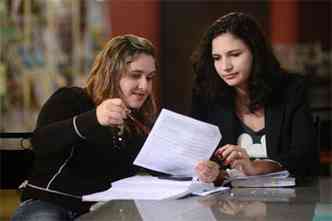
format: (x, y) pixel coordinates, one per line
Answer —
(15, 163)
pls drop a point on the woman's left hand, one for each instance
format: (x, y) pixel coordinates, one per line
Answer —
(207, 171)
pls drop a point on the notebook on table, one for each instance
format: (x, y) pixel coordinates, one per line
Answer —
(275, 179)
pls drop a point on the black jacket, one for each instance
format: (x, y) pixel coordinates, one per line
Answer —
(79, 160)
(290, 133)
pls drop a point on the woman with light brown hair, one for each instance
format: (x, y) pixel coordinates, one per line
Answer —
(88, 137)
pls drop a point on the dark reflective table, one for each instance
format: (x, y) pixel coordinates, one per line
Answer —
(310, 200)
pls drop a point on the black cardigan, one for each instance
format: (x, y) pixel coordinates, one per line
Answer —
(290, 133)
(76, 161)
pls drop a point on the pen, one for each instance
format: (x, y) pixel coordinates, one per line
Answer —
(174, 177)
(220, 161)
(144, 128)
(139, 124)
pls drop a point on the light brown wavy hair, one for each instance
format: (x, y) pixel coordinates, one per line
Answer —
(109, 66)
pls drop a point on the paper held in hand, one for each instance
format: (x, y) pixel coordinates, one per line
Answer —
(176, 143)
(174, 146)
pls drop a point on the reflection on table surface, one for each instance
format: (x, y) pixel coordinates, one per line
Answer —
(310, 200)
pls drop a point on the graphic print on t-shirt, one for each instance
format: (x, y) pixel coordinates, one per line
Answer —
(255, 148)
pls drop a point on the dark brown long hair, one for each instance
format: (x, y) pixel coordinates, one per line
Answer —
(265, 71)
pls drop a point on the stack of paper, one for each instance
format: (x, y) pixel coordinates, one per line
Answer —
(152, 188)
(276, 179)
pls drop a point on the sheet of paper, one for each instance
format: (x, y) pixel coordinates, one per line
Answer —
(235, 174)
(143, 188)
(206, 192)
(274, 179)
(151, 188)
(176, 142)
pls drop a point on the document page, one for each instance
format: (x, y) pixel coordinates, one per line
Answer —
(152, 188)
(176, 143)
(235, 174)
(146, 188)
(275, 179)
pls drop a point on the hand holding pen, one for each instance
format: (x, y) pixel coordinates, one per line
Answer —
(112, 112)
(236, 157)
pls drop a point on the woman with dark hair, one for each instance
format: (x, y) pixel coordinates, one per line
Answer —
(88, 137)
(261, 109)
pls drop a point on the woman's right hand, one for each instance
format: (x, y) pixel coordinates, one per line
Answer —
(237, 158)
(111, 112)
